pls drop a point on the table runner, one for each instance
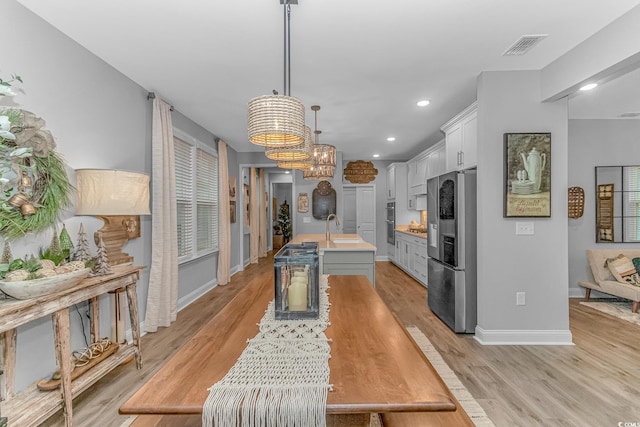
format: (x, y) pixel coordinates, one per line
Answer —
(280, 379)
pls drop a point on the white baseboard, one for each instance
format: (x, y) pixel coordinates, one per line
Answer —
(576, 292)
(523, 337)
(234, 270)
(382, 258)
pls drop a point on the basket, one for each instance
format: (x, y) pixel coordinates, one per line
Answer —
(576, 202)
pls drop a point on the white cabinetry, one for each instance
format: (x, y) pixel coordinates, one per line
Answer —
(437, 160)
(461, 140)
(391, 180)
(417, 175)
(411, 256)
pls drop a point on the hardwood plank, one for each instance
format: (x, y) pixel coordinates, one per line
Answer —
(577, 379)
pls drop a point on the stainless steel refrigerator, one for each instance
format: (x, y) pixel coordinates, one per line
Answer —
(451, 219)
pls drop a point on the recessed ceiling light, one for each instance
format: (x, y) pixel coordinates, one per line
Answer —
(287, 171)
(589, 86)
(376, 155)
(423, 103)
(391, 138)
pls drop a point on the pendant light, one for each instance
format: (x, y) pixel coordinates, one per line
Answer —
(277, 121)
(294, 158)
(324, 156)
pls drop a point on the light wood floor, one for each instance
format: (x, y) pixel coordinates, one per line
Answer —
(596, 382)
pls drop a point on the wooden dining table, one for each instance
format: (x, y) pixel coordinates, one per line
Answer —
(374, 365)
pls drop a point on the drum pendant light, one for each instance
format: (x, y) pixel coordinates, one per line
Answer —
(277, 121)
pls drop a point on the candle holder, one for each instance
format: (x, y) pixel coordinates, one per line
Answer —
(297, 285)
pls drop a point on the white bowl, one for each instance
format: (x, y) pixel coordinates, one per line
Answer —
(26, 289)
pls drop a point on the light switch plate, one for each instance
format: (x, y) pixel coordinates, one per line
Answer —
(306, 220)
(524, 228)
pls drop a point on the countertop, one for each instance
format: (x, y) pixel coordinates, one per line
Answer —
(406, 231)
(324, 246)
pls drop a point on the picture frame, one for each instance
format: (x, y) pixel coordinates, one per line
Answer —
(247, 204)
(232, 199)
(527, 175)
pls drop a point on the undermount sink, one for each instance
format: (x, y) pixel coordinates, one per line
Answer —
(346, 240)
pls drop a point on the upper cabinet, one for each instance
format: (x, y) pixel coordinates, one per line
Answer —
(391, 181)
(437, 160)
(397, 182)
(461, 140)
(417, 175)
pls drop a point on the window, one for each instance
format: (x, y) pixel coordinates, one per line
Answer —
(196, 197)
(632, 187)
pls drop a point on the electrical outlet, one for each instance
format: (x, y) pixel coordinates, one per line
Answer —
(524, 228)
(520, 298)
(306, 220)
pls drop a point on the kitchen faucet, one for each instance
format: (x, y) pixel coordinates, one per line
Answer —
(328, 233)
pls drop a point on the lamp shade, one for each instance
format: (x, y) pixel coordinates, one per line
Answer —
(295, 153)
(112, 192)
(276, 121)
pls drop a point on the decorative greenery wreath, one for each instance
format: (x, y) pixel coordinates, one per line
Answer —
(34, 186)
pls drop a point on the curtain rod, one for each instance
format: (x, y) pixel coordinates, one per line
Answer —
(152, 95)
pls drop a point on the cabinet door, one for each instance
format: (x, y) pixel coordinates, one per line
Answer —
(411, 175)
(421, 173)
(469, 141)
(391, 182)
(453, 144)
(436, 162)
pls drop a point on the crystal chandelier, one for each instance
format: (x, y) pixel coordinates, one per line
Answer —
(277, 121)
(324, 156)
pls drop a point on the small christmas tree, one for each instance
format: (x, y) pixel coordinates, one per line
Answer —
(65, 242)
(102, 262)
(7, 256)
(284, 220)
(82, 251)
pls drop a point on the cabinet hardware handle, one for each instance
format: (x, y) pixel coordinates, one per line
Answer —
(462, 158)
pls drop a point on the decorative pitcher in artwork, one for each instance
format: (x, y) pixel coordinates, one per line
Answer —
(534, 163)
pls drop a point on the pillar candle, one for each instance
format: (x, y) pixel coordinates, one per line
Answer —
(298, 294)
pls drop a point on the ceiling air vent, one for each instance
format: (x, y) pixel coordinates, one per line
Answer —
(524, 45)
(628, 115)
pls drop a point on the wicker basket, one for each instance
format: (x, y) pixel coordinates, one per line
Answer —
(576, 202)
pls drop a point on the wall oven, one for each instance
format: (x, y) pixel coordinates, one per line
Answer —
(391, 223)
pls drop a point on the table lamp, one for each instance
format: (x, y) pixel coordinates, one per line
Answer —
(118, 198)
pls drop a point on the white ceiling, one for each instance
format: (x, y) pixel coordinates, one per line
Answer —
(365, 62)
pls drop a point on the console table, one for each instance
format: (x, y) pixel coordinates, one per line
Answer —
(32, 406)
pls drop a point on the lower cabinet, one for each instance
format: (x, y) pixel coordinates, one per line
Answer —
(349, 263)
(411, 256)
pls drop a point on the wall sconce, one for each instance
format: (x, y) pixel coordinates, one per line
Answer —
(118, 198)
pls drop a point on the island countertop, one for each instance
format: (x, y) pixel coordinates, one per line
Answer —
(348, 243)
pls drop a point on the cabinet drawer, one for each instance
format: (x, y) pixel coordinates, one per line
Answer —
(348, 257)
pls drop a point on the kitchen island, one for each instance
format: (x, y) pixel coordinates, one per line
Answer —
(344, 254)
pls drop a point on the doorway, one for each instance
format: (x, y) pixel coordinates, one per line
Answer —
(359, 211)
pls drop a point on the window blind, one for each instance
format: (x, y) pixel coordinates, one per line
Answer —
(196, 198)
(206, 201)
(632, 212)
(184, 196)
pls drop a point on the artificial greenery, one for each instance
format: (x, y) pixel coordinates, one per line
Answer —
(29, 168)
(284, 220)
(53, 195)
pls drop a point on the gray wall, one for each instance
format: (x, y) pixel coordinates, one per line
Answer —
(595, 143)
(99, 119)
(537, 265)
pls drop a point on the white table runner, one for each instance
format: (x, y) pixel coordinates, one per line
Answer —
(280, 379)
